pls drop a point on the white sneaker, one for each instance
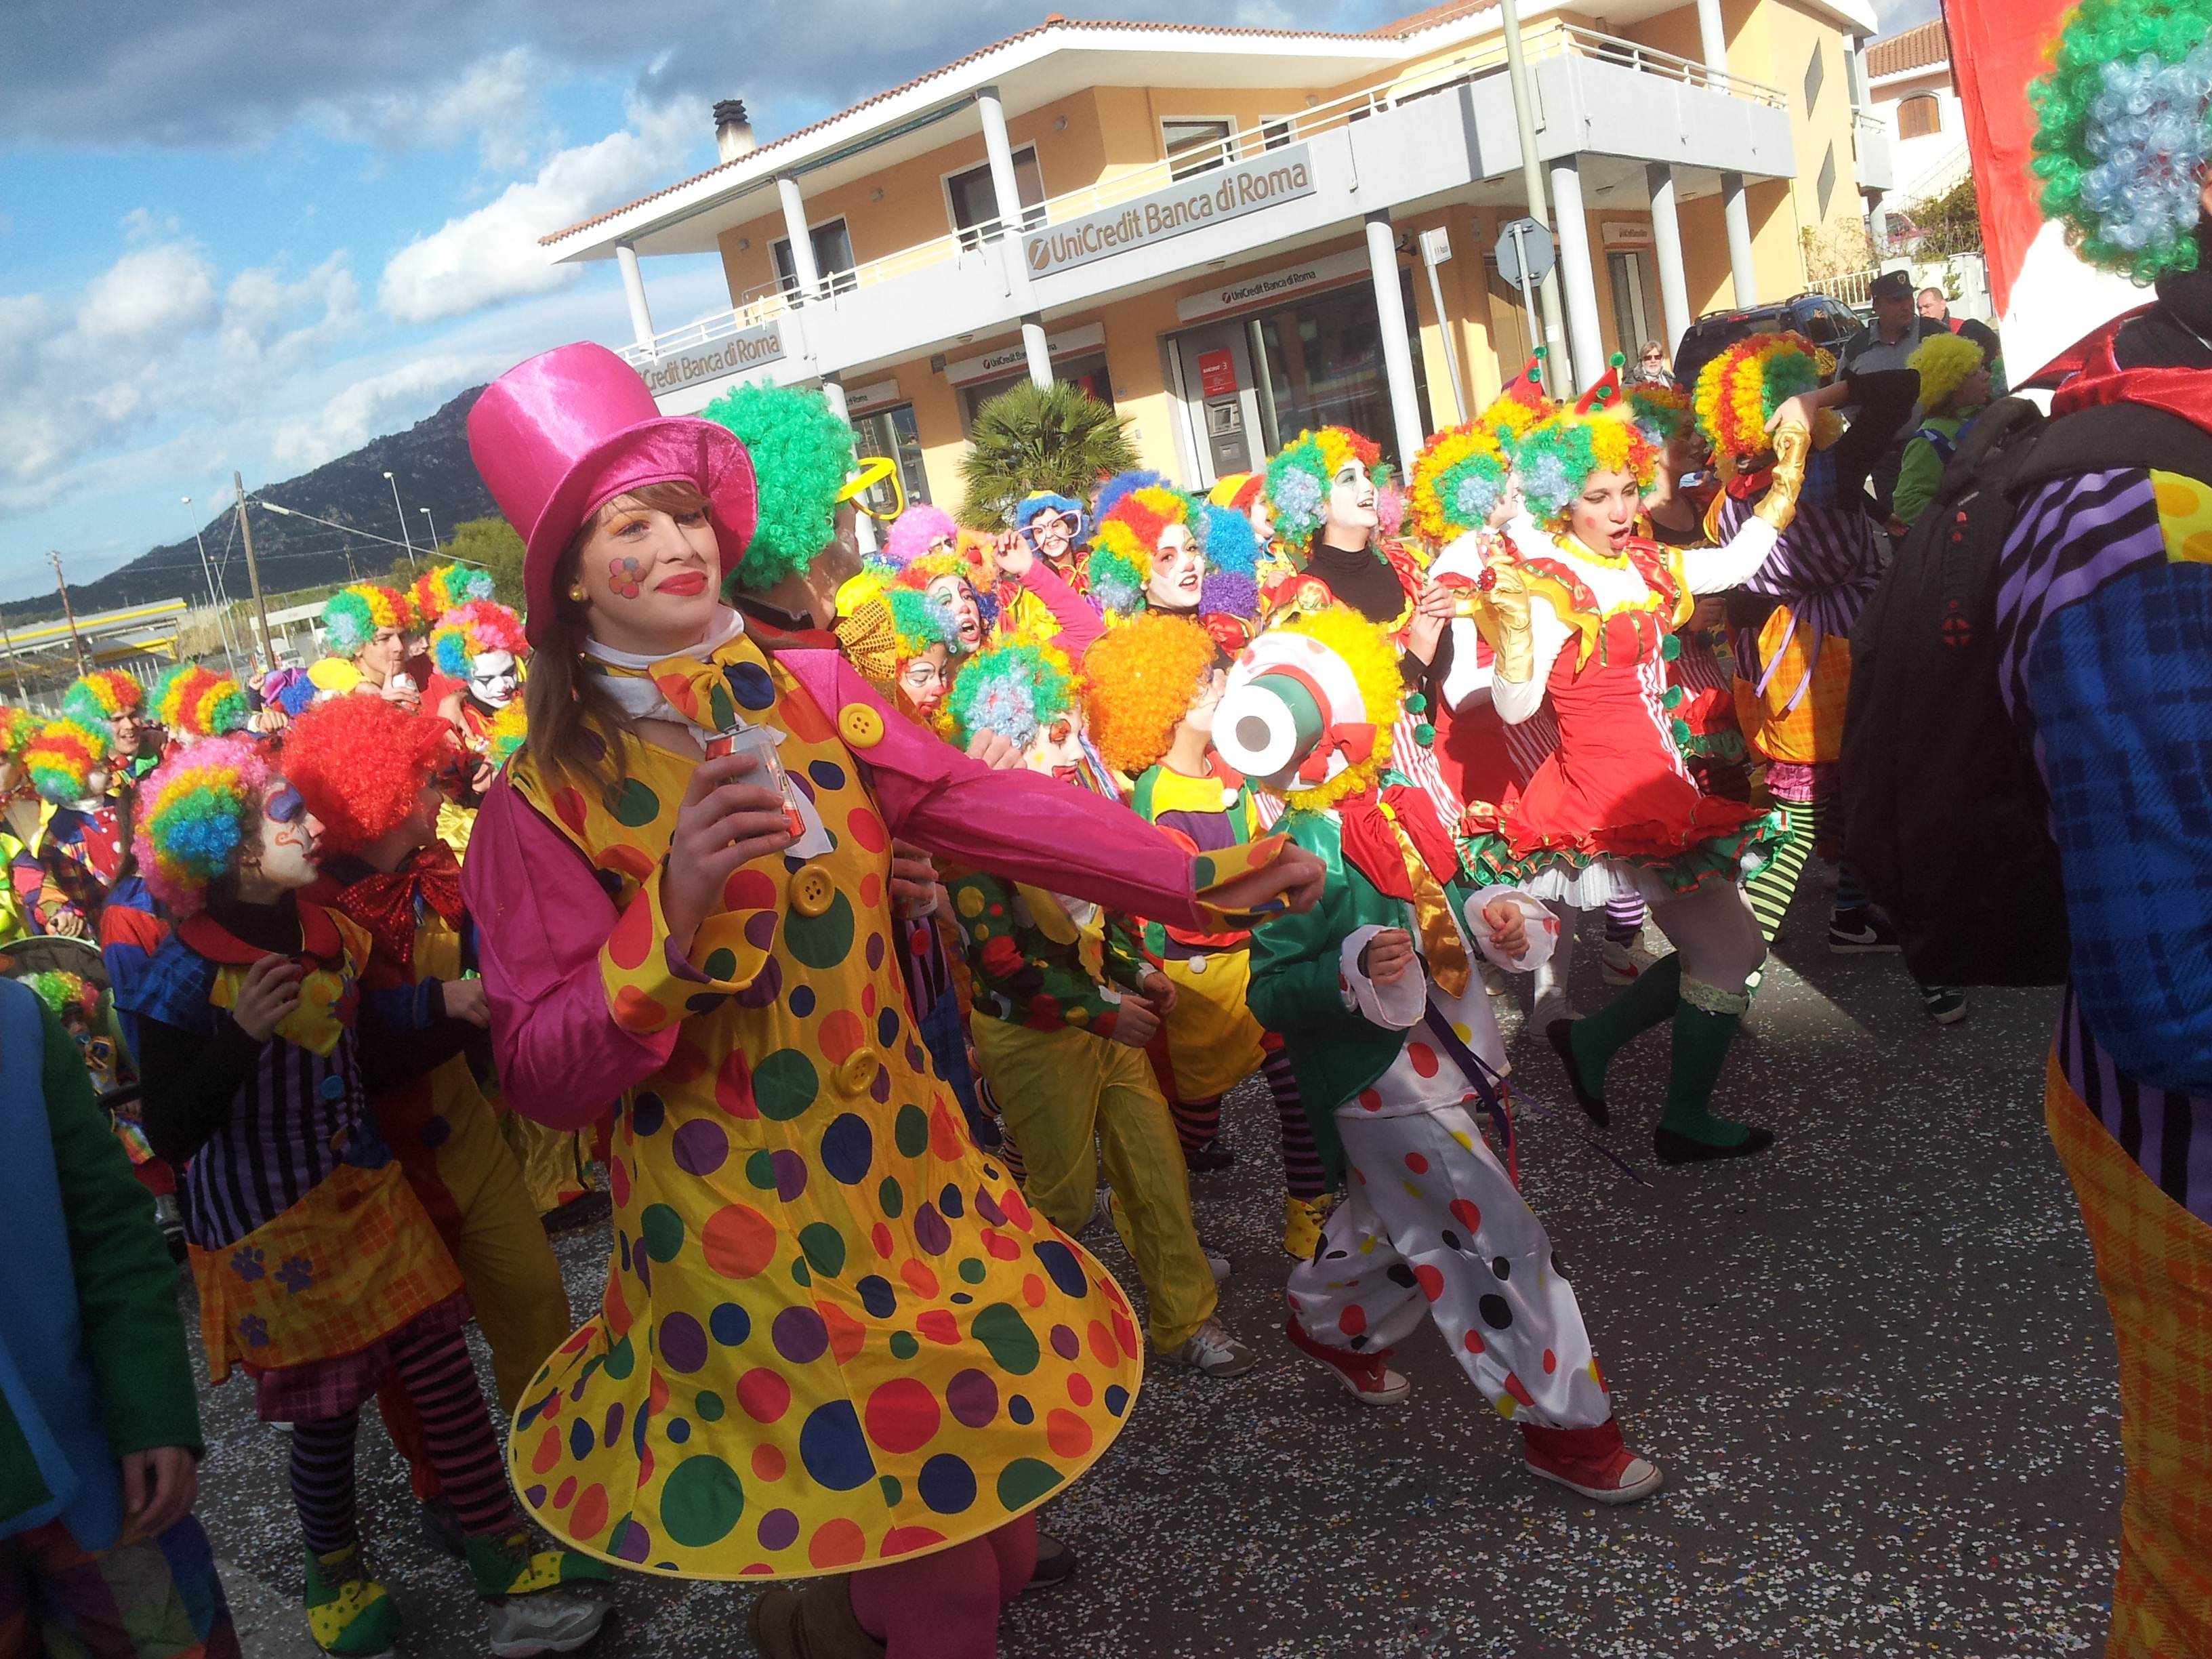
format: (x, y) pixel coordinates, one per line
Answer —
(549, 1621)
(1551, 1003)
(1213, 1352)
(1220, 1266)
(1620, 961)
(1494, 980)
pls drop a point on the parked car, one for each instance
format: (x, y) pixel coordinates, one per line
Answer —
(1823, 320)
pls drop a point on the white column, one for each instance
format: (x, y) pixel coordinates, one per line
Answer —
(1397, 353)
(640, 318)
(833, 393)
(999, 149)
(802, 245)
(1667, 253)
(1737, 212)
(1585, 339)
(1712, 34)
(1038, 350)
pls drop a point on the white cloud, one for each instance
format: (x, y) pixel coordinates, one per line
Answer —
(494, 100)
(492, 254)
(151, 294)
(370, 407)
(269, 324)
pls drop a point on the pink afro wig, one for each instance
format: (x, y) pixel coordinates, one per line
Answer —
(914, 530)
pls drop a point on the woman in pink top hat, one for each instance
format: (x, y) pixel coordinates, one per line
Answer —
(834, 1344)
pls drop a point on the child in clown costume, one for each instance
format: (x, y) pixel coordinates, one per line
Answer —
(1067, 1004)
(1150, 690)
(319, 1272)
(365, 627)
(190, 701)
(1392, 1039)
(835, 1339)
(66, 877)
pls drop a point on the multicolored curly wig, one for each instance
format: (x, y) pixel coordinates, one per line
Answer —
(2124, 131)
(1127, 537)
(105, 694)
(469, 631)
(1459, 477)
(438, 590)
(361, 762)
(1110, 492)
(914, 531)
(1739, 391)
(1559, 454)
(17, 728)
(1140, 682)
(505, 733)
(1659, 412)
(802, 454)
(65, 754)
(1014, 687)
(196, 811)
(1365, 649)
(66, 992)
(352, 615)
(195, 703)
(1299, 478)
(918, 574)
(1943, 362)
(1233, 551)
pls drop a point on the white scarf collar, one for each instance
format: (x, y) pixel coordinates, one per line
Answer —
(639, 697)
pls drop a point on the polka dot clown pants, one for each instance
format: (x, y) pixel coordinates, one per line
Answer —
(1434, 1226)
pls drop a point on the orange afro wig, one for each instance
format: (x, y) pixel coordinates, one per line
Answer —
(1139, 683)
(361, 762)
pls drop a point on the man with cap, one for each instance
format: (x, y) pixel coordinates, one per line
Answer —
(1884, 344)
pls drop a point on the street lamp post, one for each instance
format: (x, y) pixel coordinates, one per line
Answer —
(402, 511)
(221, 615)
(434, 528)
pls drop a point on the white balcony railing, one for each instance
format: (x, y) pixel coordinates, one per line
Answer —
(1547, 41)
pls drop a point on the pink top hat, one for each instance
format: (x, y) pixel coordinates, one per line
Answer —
(560, 436)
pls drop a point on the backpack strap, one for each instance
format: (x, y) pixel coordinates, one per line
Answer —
(2115, 435)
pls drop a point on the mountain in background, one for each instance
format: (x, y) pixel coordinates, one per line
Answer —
(430, 462)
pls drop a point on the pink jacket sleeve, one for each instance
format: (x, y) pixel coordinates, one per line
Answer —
(1079, 625)
(1018, 824)
(541, 919)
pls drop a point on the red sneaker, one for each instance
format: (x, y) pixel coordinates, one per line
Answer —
(1362, 1376)
(1596, 1462)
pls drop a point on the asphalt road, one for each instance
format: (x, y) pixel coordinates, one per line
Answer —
(1873, 1364)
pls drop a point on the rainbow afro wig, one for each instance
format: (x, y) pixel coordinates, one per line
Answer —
(62, 757)
(2124, 131)
(437, 591)
(1128, 535)
(66, 992)
(471, 630)
(915, 530)
(353, 616)
(1140, 682)
(802, 454)
(1015, 688)
(1300, 478)
(1559, 454)
(1659, 412)
(104, 695)
(1459, 477)
(196, 703)
(17, 728)
(360, 764)
(195, 811)
(504, 732)
(1739, 391)
(1943, 361)
(917, 578)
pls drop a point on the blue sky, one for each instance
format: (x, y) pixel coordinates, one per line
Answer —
(252, 235)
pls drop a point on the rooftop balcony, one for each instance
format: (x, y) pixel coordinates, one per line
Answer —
(1410, 144)
(1877, 156)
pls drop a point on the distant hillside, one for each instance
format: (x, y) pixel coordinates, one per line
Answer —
(430, 460)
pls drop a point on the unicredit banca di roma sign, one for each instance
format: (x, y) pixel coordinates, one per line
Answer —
(751, 348)
(1191, 203)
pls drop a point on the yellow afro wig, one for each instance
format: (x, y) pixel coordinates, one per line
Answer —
(1458, 477)
(1140, 682)
(1943, 362)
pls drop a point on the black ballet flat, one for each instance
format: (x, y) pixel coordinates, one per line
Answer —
(1561, 1032)
(1674, 1148)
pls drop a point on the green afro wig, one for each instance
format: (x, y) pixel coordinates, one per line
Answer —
(802, 454)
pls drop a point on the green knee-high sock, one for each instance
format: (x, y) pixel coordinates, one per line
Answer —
(1701, 1043)
(1636, 1009)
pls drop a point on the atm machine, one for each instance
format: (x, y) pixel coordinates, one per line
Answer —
(1222, 398)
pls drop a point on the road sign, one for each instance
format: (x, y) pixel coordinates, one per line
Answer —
(1525, 252)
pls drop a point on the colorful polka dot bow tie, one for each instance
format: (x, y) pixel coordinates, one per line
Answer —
(728, 688)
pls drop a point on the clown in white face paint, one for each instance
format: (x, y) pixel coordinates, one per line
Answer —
(481, 645)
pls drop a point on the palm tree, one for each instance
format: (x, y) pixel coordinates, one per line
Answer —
(1058, 438)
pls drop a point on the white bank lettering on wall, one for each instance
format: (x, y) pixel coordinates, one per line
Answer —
(751, 348)
(1279, 175)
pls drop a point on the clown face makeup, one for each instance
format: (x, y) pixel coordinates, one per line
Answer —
(1057, 750)
(1178, 569)
(283, 854)
(923, 682)
(494, 679)
(957, 598)
(1350, 518)
(651, 580)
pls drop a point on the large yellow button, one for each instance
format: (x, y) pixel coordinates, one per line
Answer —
(861, 725)
(812, 890)
(858, 1070)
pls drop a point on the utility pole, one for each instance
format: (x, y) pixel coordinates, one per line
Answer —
(68, 615)
(15, 664)
(1532, 183)
(221, 610)
(253, 574)
(346, 542)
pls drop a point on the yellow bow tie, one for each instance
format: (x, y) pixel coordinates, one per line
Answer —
(729, 687)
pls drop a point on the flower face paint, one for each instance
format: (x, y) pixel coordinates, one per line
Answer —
(651, 580)
(1178, 569)
(494, 679)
